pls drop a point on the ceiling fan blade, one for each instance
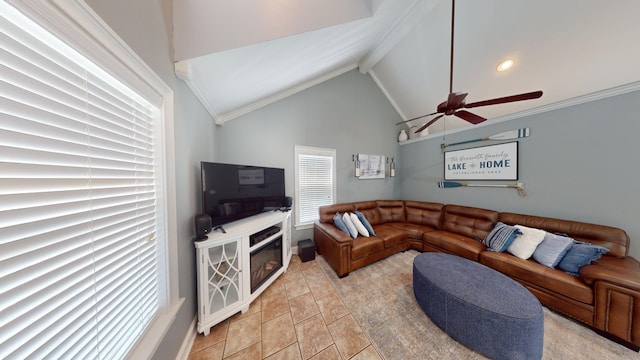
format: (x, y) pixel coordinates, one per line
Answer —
(429, 123)
(506, 99)
(470, 117)
(416, 118)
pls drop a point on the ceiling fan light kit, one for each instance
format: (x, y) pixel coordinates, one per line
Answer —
(505, 65)
(455, 102)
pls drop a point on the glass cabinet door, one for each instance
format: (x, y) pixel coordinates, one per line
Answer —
(224, 276)
(287, 227)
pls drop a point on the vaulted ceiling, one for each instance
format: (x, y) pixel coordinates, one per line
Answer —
(238, 56)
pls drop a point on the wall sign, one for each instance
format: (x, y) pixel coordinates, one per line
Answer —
(372, 166)
(493, 162)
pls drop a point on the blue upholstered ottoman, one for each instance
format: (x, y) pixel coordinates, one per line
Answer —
(479, 307)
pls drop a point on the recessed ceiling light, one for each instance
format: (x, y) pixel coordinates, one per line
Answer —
(505, 65)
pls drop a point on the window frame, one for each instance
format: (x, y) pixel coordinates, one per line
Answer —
(80, 27)
(306, 150)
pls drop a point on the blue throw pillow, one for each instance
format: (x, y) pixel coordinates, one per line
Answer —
(579, 255)
(339, 223)
(365, 223)
(501, 237)
(552, 249)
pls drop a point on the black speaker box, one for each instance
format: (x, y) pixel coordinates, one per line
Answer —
(306, 250)
(203, 226)
(288, 201)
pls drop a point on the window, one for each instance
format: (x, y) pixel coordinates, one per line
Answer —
(83, 232)
(315, 172)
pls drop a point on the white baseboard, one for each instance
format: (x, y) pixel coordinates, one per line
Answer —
(187, 343)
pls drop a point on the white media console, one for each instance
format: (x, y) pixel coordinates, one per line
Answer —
(235, 267)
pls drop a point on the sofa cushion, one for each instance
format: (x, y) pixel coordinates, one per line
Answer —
(364, 246)
(501, 237)
(358, 224)
(526, 243)
(530, 271)
(551, 250)
(391, 211)
(579, 255)
(365, 223)
(352, 228)
(370, 211)
(423, 213)
(415, 231)
(454, 243)
(339, 223)
(474, 223)
(390, 235)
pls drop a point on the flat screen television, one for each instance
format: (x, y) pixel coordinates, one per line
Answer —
(232, 192)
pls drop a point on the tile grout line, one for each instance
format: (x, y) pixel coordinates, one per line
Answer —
(348, 314)
(364, 329)
(311, 271)
(324, 321)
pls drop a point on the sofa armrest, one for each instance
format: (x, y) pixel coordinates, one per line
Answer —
(334, 245)
(616, 284)
(332, 231)
(623, 272)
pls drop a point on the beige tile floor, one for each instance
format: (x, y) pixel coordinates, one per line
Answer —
(300, 316)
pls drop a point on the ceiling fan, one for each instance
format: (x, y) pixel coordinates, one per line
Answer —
(455, 104)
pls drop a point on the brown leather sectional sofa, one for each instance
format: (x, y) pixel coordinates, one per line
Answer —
(606, 295)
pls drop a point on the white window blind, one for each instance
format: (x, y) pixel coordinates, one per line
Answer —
(315, 182)
(78, 248)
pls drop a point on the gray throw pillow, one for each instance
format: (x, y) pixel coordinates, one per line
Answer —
(552, 249)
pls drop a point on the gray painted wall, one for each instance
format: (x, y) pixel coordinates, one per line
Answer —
(146, 26)
(578, 164)
(348, 113)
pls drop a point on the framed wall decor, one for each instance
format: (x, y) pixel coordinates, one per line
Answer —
(492, 162)
(372, 166)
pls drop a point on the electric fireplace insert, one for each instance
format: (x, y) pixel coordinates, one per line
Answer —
(265, 261)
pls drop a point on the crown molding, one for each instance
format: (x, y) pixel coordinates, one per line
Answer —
(386, 93)
(184, 72)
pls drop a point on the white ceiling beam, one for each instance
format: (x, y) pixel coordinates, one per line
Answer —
(415, 12)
